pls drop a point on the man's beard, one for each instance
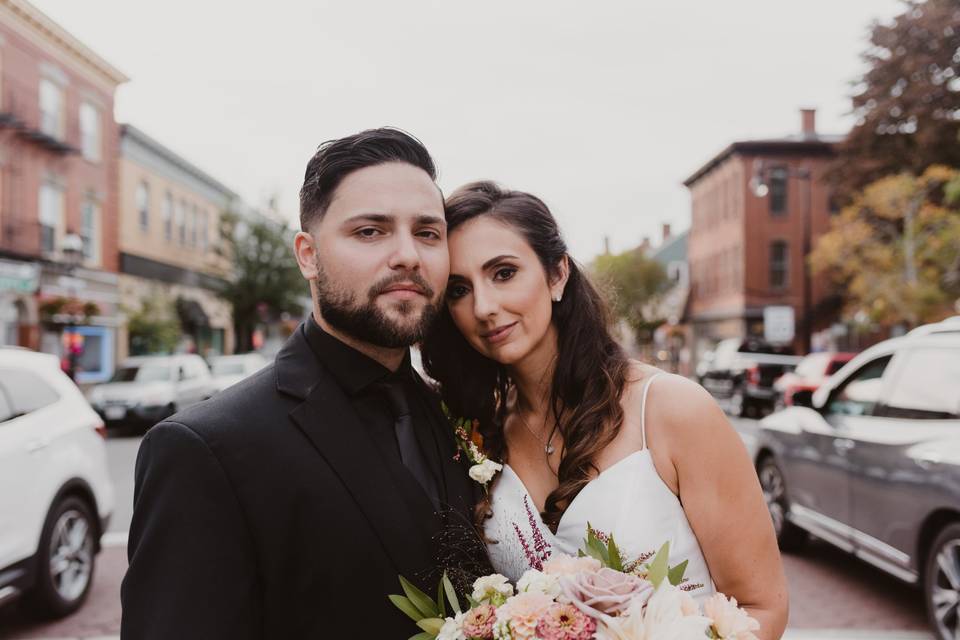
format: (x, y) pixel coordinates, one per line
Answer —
(369, 323)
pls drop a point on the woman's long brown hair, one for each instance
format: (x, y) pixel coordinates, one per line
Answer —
(591, 368)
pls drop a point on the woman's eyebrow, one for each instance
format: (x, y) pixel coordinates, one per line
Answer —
(492, 261)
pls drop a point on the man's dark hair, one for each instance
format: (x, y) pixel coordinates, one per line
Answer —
(336, 159)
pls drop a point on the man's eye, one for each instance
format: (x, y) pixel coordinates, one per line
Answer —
(456, 291)
(369, 232)
(429, 234)
(504, 273)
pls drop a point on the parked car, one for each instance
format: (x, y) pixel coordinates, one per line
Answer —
(796, 387)
(55, 492)
(742, 373)
(229, 370)
(873, 466)
(147, 389)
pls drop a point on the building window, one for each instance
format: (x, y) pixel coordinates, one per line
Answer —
(90, 230)
(180, 216)
(778, 190)
(51, 108)
(90, 137)
(167, 217)
(194, 220)
(143, 206)
(779, 264)
(51, 217)
(204, 230)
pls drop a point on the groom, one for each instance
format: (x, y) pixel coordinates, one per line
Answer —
(286, 506)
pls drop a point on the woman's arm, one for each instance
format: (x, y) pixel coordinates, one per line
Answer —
(721, 496)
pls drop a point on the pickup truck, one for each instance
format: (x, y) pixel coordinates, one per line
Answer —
(742, 372)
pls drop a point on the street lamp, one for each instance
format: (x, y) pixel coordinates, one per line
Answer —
(760, 188)
(72, 251)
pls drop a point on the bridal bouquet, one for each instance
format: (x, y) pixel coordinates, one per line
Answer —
(596, 595)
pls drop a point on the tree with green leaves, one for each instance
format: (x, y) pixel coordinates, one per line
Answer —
(907, 103)
(895, 250)
(633, 284)
(264, 278)
(152, 328)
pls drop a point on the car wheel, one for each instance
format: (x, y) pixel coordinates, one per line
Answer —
(66, 557)
(942, 583)
(789, 536)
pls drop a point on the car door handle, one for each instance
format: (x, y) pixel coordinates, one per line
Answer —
(38, 444)
(842, 445)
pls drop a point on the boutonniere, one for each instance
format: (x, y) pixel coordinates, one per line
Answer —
(470, 443)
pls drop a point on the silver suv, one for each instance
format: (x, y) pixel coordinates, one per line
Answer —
(147, 389)
(874, 466)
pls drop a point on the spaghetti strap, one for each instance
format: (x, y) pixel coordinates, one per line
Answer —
(643, 409)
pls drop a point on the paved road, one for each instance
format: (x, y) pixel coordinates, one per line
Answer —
(828, 589)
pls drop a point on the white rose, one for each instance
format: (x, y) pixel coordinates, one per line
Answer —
(533, 581)
(490, 587)
(452, 629)
(484, 472)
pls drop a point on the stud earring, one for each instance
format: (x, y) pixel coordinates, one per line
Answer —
(558, 297)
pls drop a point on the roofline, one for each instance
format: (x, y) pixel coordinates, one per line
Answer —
(815, 147)
(128, 130)
(61, 36)
(672, 240)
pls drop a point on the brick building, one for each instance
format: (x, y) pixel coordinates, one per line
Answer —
(751, 204)
(58, 190)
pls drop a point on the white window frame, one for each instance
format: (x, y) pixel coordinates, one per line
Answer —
(142, 201)
(51, 196)
(168, 217)
(52, 101)
(90, 232)
(91, 132)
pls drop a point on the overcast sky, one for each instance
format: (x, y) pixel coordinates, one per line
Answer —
(600, 108)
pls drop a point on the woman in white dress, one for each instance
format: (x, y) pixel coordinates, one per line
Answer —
(585, 434)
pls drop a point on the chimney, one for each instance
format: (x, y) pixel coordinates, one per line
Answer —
(645, 245)
(606, 245)
(808, 123)
(666, 231)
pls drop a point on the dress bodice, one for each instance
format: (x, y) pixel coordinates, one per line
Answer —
(627, 500)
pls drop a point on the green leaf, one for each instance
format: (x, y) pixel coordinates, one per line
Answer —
(658, 568)
(451, 593)
(613, 553)
(675, 575)
(431, 625)
(473, 603)
(423, 636)
(420, 600)
(407, 607)
(441, 606)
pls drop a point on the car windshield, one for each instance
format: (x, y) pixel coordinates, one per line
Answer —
(142, 373)
(228, 368)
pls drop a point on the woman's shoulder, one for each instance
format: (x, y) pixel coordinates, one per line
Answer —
(673, 402)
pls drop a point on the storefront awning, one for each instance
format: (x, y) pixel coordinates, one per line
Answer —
(191, 313)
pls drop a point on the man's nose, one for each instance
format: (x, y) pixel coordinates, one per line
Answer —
(406, 253)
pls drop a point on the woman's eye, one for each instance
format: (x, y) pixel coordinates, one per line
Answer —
(504, 273)
(456, 291)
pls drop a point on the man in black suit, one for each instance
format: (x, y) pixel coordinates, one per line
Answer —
(286, 506)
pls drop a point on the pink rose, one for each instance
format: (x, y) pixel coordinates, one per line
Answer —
(605, 591)
(561, 564)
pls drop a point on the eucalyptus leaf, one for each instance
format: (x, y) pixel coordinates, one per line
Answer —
(675, 575)
(407, 607)
(441, 606)
(613, 555)
(658, 568)
(431, 625)
(419, 599)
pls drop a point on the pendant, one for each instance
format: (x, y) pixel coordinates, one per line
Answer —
(549, 449)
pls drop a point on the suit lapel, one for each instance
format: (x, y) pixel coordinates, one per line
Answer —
(403, 524)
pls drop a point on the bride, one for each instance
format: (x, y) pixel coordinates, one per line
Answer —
(587, 435)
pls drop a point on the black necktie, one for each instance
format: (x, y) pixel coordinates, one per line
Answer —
(410, 453)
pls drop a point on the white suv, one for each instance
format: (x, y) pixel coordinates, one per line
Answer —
(55, 492)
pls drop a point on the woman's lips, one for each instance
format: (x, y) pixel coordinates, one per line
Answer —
(499, 334)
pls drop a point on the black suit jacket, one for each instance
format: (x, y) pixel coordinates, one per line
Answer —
(268, 512)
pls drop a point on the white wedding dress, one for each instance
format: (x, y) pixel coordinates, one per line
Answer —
(628, 500)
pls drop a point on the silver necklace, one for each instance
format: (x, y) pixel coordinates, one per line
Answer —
(548, 447)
